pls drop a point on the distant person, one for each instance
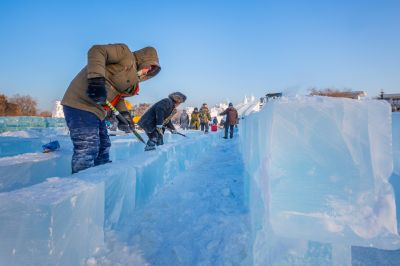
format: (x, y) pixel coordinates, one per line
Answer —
(205, 117)
(231, 120)
(222, 123)
(155, 120)
(112, 73)
(184, 120)
(195, 119)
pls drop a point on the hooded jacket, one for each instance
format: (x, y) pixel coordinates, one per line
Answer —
(119, 66)
(205, 116)
(231, 116)
(157, 114)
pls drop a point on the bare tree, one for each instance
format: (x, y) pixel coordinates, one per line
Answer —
(13, 110)
(140, 109)
(26, 104)
(3, 105)
(45, 114)
(7, 108)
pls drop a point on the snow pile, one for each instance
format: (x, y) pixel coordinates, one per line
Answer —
(319, 171)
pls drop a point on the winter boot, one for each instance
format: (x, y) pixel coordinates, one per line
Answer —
(151, 145)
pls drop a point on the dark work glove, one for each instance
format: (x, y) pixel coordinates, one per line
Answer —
(97, 90)
(125, 124)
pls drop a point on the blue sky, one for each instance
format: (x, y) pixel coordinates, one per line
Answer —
(210, 50)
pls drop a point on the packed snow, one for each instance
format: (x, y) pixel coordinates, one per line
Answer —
(305, 181)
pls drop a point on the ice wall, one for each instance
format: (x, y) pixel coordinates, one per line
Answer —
(13, 123)
(396, 142)
(61, 221)
(319, 170)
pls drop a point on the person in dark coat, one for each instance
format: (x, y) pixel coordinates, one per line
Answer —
(231, 120)
(158, 117)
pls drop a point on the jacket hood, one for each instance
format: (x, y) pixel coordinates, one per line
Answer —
(147, 57)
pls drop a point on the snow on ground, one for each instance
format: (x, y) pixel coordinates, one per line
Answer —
(198, 218)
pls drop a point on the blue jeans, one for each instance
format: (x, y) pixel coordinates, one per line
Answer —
(89, 137)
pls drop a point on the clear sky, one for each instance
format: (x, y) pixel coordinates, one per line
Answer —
(210, 50)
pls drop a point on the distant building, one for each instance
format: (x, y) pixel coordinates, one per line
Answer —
(393, 99)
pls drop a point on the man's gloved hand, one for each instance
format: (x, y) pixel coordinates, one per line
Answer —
(160, 130)
(96, 90)
(125, 124)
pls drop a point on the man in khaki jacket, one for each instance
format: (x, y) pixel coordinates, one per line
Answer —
(113, 72)
(205, 117)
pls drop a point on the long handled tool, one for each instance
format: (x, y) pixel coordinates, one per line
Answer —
(115, 111)
(179, 133)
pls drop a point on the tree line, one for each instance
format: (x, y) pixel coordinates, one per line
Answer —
(20, 105)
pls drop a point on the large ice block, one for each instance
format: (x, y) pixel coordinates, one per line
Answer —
(119, 189)
(319, 170)
(32, 168)
(61, 220)
(10, 146)
(58, 222)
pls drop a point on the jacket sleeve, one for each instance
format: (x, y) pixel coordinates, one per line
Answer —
(101, 55)
(224, 112)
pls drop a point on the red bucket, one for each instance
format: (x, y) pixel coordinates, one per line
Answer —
(214, 128)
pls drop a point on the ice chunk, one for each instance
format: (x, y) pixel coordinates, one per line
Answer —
(10, 146)
(319, 171)
(52, 223)
(32, 168)
(119, 188)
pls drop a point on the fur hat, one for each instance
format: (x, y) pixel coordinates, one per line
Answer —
(177, 97)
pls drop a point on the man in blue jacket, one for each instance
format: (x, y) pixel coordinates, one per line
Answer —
(158, 117)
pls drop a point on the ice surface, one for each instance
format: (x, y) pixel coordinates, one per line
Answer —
(69, 214)
(305, 210)
(10, 146)
(197, 218)
(32, 168)
(319, 171)
(58, 222)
